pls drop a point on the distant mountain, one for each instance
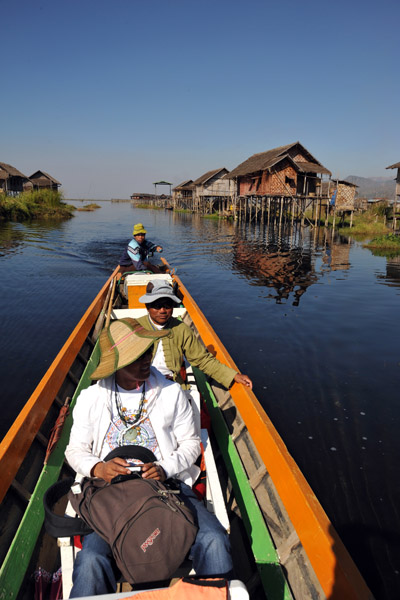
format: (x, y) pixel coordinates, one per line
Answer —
(374, 187)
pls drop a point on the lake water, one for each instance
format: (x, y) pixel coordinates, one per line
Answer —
(312, 318)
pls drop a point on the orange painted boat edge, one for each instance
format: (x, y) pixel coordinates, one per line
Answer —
(17, 441)
(333, 565)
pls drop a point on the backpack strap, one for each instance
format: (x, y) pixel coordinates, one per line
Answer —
(65, 526)
(61, 525)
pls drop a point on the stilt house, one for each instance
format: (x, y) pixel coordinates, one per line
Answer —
(286, 171)
(345, 193)
(42, 180)
(182, 194)
(213, 191)
(12, 181)
(396, 166)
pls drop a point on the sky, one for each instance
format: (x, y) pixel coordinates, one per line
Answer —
(109, 96)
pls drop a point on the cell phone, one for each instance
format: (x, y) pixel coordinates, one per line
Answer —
(137, 468)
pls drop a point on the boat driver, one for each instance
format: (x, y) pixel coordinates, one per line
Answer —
(135, 255)
(133, 403)
(160, 301)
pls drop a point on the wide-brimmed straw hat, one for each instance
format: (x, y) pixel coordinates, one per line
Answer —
(123, 342)
(138, 228)
(159, 288)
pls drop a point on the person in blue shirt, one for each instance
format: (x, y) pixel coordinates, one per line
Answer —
(135, 255)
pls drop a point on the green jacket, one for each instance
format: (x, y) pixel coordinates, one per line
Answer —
(182, 342)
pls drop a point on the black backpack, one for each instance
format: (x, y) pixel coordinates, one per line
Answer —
(146, 524)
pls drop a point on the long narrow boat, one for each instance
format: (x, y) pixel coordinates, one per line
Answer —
(284, 545)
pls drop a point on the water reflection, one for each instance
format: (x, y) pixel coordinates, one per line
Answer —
(13, 236)
(287, 261)
(392, 277)
(10, 239)
(288, 270)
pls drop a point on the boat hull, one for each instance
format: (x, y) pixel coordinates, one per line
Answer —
(283, 544)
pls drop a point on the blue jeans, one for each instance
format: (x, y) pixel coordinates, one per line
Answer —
(95, 571)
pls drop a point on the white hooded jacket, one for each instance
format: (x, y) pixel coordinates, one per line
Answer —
(171, 417)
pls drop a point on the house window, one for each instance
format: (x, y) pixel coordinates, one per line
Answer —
(290, 181)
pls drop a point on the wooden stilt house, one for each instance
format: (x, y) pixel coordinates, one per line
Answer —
(42, 180)
(396, 166)
(283, 181)
(12, 181)
(285, 171)
(213, 191)
(182, 195)
(396, 204)
(344, 198)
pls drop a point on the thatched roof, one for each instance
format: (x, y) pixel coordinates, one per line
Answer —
(344, 182)
(41, 174)
(209, 175)
(185, 185)
(396, 166)
(310, 167)
(7, 171)
(332, 184)
(266, 160)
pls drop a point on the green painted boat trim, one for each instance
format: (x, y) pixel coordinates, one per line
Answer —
(272, 576)
(20, 553)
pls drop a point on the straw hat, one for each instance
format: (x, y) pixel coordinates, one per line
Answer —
(138, 228)
(123, 342)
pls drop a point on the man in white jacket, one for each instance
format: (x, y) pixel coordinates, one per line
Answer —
(132, 403)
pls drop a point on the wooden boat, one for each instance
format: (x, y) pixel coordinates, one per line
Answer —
(284, 546)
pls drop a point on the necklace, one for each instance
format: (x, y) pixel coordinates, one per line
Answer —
(128, 436)
(136, 416)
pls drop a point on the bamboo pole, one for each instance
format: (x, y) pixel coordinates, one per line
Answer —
(111, 303)
(100, 320)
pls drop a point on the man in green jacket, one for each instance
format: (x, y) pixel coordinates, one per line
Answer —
(160, 301)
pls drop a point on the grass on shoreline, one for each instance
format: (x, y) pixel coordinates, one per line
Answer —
(390, 241)
(372, 222)
(36, 204)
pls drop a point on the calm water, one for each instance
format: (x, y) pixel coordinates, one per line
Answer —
(314, 321)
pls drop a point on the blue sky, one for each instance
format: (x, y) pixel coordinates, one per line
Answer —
(109, 96)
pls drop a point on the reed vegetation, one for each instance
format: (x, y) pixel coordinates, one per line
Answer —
(371, 222)
(89, 207)
(155, 207)
(390, 241)
(36, 204)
